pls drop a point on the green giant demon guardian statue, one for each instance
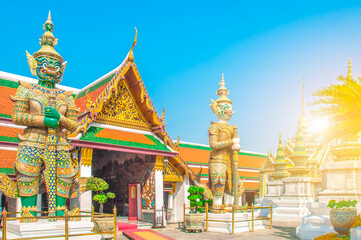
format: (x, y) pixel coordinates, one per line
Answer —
(48, 114)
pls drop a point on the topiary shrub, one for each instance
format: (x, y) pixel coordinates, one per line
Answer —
(196, 199)
(98, 186)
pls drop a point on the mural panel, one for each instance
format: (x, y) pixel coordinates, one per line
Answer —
(119, 169)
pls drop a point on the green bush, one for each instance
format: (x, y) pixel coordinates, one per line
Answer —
(343, 204)
(196, 199)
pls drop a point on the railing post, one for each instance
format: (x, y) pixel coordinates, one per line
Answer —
(66, 223)
(252, 207)
(232, 219)
(5, 215)
(163, 216)
(206, 217)
(115, 222)
(184, 216)
(92, 213)
(270, 224)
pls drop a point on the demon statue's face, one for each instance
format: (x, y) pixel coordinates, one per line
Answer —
(49, 69)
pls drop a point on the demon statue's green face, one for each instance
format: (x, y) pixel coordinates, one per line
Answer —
(49, 69)
(225, 111)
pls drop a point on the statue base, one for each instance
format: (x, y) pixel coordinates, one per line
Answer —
(317, 223)
(217, 224)
(43, 228)
(290, 210)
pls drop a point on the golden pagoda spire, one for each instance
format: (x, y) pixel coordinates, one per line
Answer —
(303, 111)
(299, 155)
(280, 150)
(280, 162)
(349, 72)
(300, 148)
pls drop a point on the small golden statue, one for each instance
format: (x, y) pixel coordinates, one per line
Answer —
(224, 141)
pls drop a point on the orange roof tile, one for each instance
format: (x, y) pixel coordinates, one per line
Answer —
(124, 136)
(240, 172)
(250, 161)
(6, 104)
(81, 102)
(10, 132)
(252, 185)
(194, 155)
(7, 158)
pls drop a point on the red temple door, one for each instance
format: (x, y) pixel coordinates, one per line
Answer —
(135, 204)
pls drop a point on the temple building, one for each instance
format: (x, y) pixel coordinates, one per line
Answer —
(122, 139)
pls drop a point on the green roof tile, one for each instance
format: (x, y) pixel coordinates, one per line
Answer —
(92, 131)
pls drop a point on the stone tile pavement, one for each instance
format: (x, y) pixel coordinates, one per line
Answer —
(280, 231)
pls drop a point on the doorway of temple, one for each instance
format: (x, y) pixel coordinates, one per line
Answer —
(119, 169)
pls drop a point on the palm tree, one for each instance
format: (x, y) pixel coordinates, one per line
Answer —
(341, 103)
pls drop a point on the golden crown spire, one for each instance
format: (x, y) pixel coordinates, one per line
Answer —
(48, 41)
(48, 20)
(223, 92)
(349, 72)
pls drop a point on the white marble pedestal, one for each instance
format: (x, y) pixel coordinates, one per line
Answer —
(355, 233)
(43, 228)
(342, 181)
(317, 223)
(291, 206)
(274, 189)
(226, 227)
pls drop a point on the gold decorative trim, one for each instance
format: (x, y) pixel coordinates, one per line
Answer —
(171, 174)
(159, 163)
(115, 122)
(86, 157)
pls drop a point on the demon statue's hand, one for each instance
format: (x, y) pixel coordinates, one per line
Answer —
(51, 122)
(52, 113)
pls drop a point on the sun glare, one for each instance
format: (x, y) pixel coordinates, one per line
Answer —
(318, 125)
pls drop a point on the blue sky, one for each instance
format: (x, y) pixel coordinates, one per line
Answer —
(262, 47)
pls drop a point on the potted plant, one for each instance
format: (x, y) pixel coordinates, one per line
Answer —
(342, 215)
(194, 219)
(99, 186)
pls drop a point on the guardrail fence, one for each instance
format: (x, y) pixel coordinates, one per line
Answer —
(233, 210)
(66, 235)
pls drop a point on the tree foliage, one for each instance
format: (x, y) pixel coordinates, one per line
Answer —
(98, 186)
(341, 103)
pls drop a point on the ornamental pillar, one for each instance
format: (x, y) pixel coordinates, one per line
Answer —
(159, 217)
(86, 157)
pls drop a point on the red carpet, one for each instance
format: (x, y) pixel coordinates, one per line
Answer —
(126, 226)
(143, 234)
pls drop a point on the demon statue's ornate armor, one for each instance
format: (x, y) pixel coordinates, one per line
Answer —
(48, 114)
(224, 142)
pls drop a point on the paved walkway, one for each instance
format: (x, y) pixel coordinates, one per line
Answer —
(280, 231)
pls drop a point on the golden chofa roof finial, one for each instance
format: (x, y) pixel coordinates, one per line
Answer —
(349, 72)
(131, 55)
(223, 92)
